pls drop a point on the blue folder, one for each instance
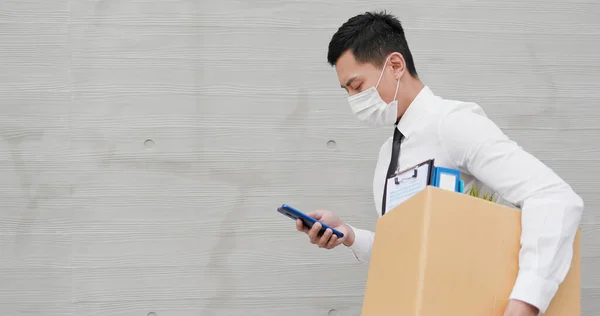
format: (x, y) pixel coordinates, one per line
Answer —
(446, 178)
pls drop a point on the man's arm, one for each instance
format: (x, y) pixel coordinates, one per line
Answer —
(362, 244)
(551, 211)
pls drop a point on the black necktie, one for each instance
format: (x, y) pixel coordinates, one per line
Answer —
(393, 163)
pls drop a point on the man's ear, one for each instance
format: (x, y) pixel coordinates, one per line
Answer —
(398, 65)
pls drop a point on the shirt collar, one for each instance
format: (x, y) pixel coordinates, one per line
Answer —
(412, 118)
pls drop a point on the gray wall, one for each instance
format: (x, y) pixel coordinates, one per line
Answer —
(239, 103)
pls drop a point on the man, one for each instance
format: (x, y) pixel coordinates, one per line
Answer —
(375, 66)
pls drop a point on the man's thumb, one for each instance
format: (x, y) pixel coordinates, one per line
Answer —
(316, 215)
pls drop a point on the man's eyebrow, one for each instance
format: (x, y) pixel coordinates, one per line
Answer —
(349, 81)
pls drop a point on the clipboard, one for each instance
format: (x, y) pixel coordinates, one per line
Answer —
(415, 173)
(406, 183)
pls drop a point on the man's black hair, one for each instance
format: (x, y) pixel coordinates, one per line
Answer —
(371, 37)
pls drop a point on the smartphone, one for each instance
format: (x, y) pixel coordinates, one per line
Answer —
(306, 220)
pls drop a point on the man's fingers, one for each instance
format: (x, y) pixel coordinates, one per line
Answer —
(299, 226)
(327, 240)
(340, 241)
(333, 242)
(313, 233)
(324, 240)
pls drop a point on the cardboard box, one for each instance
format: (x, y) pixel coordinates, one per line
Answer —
(443, 253)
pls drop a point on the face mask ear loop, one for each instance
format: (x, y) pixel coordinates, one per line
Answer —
(396, 94)
(382, 71)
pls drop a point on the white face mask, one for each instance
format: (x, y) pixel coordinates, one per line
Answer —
(370, 108)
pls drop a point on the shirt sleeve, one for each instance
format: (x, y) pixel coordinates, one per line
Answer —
(363, 244)
(550, 210)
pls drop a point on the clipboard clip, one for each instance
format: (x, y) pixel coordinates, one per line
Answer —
(414, 176)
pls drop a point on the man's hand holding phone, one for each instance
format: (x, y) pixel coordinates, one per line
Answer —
(328, 240)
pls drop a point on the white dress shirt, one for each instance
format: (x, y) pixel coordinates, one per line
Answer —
(459, 135)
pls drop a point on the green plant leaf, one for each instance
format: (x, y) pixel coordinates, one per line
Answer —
(475, 192)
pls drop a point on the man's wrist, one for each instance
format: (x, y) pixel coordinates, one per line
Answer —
(533, 290)
(517, 308)
(350, 238)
